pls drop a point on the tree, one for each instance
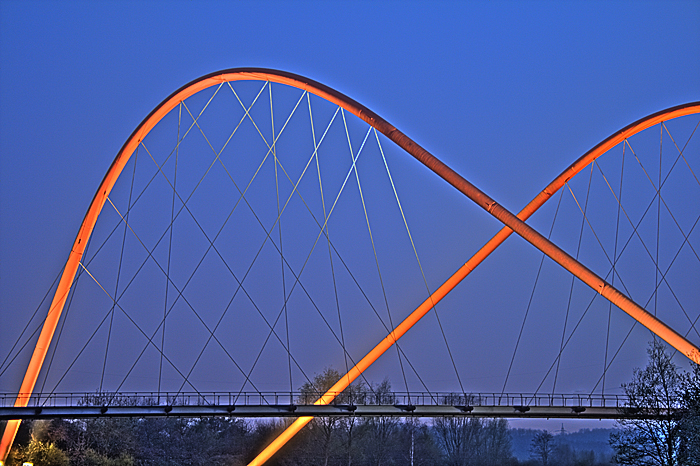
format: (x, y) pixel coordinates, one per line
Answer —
(40, 453)
(497, 446)
(690, 422)
(325, 429)
(542, 447)
(356, 393)
(420, 446)
(380, 433)
(472, 441)
(459, 437)
(39, 449)
(653, 390)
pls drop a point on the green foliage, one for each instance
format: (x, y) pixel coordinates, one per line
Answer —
(92, 458)
(137, 442)
(40, 454)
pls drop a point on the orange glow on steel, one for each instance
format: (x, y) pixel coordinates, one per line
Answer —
(322, 91)
(281, 440)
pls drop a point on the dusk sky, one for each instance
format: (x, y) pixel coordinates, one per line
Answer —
(508, 94)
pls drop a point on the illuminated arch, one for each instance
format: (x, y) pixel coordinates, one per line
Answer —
(513, 223)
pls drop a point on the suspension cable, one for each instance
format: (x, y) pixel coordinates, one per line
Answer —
(573, 278)
(617, 234)
(119, 272)
(371, 238)
(327, 233)
(532, 296)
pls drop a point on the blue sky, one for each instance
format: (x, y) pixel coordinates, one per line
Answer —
(506, 93)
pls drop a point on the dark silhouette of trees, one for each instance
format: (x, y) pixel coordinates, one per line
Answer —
(542, 448)
(690, 422)
(322, 429)
(377, 441)
(654, 389)
(565, 455)
(460, 438)
(333, 436)
(473, 441)
(379, 434)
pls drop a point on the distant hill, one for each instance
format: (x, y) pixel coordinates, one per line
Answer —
(579, 442)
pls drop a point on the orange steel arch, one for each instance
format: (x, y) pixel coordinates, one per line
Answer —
(511, 221)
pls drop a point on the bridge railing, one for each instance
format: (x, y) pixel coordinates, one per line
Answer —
(306, 398)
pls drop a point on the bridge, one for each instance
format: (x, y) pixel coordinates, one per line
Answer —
(292, 405)
(258, 227)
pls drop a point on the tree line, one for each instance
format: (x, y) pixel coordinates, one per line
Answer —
(348, 441)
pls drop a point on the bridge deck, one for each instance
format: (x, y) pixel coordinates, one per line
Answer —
(252, 411)
(277, 404)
